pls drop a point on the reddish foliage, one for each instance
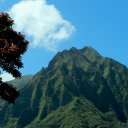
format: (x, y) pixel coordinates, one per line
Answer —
(12, 46)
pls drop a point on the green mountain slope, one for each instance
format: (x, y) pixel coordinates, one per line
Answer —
(78, 89)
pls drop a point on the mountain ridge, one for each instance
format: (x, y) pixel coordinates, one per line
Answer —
(78, 84)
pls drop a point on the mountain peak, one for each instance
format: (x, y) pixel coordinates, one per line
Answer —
(79, 88)
(84, 56)
(90, 50)
(91, 54)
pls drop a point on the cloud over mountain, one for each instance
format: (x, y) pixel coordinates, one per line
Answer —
(6, 76)
(42, 22)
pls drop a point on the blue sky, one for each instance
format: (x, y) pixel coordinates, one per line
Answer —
(102, 24)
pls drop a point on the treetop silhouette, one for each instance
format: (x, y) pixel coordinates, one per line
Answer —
(12, 46)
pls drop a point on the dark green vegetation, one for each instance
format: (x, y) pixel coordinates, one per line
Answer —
(79, 89)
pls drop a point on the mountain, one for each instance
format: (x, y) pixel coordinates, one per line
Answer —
(79, 89)
(20, 83)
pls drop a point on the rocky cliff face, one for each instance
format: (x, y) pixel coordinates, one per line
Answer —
(78, 89)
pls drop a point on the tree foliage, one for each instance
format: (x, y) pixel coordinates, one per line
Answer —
(12, 46)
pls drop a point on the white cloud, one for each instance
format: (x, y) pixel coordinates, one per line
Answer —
(42, 22)
(6, 77)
